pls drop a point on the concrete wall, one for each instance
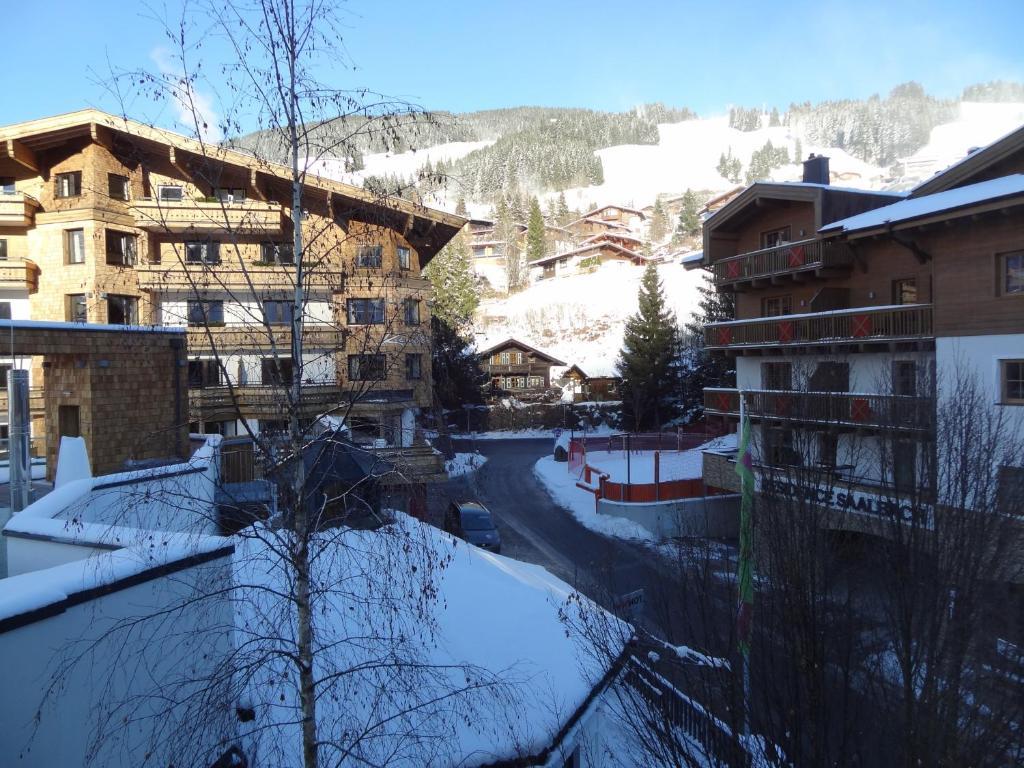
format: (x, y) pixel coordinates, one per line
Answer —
(711, 516)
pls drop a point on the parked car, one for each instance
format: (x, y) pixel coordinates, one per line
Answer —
(472, 522)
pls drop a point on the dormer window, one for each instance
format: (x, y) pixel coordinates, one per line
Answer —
(776, 237)
(170, 193)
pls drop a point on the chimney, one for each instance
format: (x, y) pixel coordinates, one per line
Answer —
(816, 169)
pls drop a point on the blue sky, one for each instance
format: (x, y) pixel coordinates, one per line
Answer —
(461, 55)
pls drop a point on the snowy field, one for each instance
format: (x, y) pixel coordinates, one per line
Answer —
(580, 319)
(561, 486)
(675, 465)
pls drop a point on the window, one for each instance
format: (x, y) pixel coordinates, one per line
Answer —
(1010, 490)
(69, 184)
(503, 358)
(904, 291)
(74, 246)
(122, 310)
(3, 383)
(206, 312)
(1012, 378)
(68, 422)
(203, 373)
(118, 187)
(904, 377)
(537, 381)
(828, 449)
(226, 195)
(1011, 274)
(830, 377)
(774, 237)
(779, 448)
(278, 312)
(75, 308)
(369, 256)
(5, 310)
(6, 185)
(413, 370)
(777, 376)
(775, 306)
(277, 253)
(366, 367)
(170, 193)
(121, 248)
(365, 311)
(404, 257)
(276, 371)
(3, 249)
(202, 252)
(904, 466)
(411, 311)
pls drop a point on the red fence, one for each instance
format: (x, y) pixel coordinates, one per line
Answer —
(666, 490)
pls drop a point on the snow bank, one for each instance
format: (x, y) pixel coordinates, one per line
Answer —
(464, 464)
(561, 486)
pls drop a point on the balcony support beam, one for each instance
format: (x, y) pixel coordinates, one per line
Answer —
(22, 155)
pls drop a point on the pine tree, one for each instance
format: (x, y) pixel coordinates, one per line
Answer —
(698, 367)
(564, 216)
(460, 206)
(455, 291)
(774, 120)
(659, 222)
(536, 243)
(508, 233)
(689, 215)
(646, 362)
(458, 378)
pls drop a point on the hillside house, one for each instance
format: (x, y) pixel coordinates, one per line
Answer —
(584, 388)
(586, 258)
(517, 369)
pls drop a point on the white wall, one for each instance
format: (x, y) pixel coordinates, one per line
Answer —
(157, 658)
(981, 355)
(869, 372)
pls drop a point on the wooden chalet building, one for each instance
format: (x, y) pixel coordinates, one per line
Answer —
(517, 369)
(110, 221)
(584, 259)
(589, 388)
(853, 307)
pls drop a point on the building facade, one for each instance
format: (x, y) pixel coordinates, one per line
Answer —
(517, 369)
(106, 220)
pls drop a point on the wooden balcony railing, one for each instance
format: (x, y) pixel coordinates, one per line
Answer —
(899, 412)
(847, 326)
(251, 216)
(231, 276)
(233, 338)
(788, 259)
(17, 209)
(19, 275)
(260, 401)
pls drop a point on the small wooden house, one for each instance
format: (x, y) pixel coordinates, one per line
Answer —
(516, 368)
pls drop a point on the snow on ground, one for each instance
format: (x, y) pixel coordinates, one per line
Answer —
(561, 486)
(483, 626)
(675, 465)
(464, 464)
(530, 434)
(580, 319)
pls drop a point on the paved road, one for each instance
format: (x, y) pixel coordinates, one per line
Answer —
(536, 530)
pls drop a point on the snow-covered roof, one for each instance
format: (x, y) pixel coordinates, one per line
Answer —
(692, 260)
(941, 202)
(595, 246)
(511, 342)
(604, 235)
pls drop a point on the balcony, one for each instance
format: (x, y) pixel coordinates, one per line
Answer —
(845, 409)
(249, 217)
(260, 401)
(818, 258)
(174, 276)
(861, 326)
(19, 275)
(17, 209)
(233, 338)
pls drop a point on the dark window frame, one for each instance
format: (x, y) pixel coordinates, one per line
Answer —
(177, 197)
(367, 367)
(119, 187)
(413, 366)
(74, 188)
(209, 251)
(276, 371)
(785, 305)
(204, 312)
(277, 311)
(8, 185)
(129, 308)
(403, 255)
(775, 373)
(1003, 274)
(372, 312)
(126, 254)
(204, 373)
(370, 256)
(3, 249)
(5, 310)
(904, 378)
(773, 238)
(411, 311)
(904, 289)
(272, 252)
(1011, 375)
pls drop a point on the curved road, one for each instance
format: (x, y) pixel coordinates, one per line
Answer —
(535, 529)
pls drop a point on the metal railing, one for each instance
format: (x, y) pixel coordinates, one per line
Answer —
(847, 326)
(784, 259)
(846, 408)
